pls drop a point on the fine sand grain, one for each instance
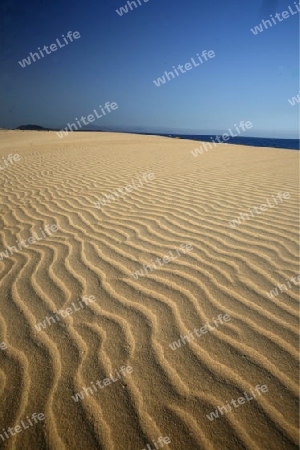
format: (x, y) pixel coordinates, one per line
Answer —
(132, 320)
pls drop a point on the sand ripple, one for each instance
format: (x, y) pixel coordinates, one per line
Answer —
(133, 321)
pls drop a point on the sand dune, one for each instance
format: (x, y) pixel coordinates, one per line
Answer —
(132, 320)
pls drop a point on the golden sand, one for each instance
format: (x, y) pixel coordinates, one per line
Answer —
(132, 320)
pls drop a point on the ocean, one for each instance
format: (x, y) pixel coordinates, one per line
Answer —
(290, 144)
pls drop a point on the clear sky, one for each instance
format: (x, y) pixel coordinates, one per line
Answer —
(117, 58)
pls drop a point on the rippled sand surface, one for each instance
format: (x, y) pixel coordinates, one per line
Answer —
(133, 319)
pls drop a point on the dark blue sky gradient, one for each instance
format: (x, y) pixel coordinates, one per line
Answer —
(117, 58)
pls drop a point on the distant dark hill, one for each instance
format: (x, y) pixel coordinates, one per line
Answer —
(32, 127)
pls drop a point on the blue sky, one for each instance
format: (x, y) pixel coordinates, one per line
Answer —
(117, 58)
